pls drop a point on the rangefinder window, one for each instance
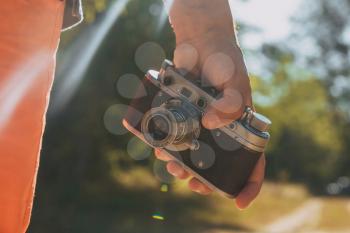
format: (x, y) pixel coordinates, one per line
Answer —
(185, 92)
(202, 102)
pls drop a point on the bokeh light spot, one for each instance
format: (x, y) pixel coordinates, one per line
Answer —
(155, 9)
(161, 173)
(204, 157)
(113, 118)
(138, 150)
(130, 86)
(149, 55)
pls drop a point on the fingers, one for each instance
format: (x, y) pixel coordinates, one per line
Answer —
(196, 186)
(173, 167)
(177, 170)
(245, 197)
(224, 110)
(253, 187)
(161, 155)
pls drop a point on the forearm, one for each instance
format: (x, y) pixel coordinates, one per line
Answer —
(196, 18)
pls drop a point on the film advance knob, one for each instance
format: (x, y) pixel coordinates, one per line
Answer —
(260, 122)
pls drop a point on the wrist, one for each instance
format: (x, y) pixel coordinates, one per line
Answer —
(197, 18)
(208, 37)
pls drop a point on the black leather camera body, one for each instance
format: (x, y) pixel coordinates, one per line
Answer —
(166, 114)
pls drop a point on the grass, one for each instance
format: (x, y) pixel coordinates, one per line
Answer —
(136, 203)
(133, 200)
(274, 201)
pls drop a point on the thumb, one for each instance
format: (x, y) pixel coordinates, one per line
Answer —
(223, 111)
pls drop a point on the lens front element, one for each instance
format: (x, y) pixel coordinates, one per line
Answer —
(170, 126)
(159, 127)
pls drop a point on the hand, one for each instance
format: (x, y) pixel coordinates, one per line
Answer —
(212, 53)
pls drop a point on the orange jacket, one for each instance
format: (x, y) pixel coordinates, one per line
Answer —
(29, 36)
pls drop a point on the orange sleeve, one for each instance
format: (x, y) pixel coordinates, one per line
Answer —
(29, 36)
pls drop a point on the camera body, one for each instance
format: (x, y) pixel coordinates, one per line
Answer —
(166, 114)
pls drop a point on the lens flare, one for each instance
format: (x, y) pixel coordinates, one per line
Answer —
(86, 47)
(164, 14)
(19, 83)
(158, 217)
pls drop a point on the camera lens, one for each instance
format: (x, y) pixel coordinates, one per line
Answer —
(162, 127)
(158, 128)
(170, 126)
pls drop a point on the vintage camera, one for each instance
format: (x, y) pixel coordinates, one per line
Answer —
(166, 113)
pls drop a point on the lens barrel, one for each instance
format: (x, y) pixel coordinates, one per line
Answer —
(163, 126)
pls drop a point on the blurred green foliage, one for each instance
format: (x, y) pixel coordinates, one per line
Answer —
(309, 96)
(88, 182)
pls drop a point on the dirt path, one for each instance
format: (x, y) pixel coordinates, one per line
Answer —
(305, 217)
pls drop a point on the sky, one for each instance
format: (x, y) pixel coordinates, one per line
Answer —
(271, 16)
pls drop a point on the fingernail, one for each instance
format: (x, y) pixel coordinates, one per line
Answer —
(172, 171)
(238, 207)
(247, 205)
(197, 191)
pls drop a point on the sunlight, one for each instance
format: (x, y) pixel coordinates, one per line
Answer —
(164, 14)
(18, 84)
(270, 17)
(79, 67)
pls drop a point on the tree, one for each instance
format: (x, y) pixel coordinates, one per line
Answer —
(323, 32)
